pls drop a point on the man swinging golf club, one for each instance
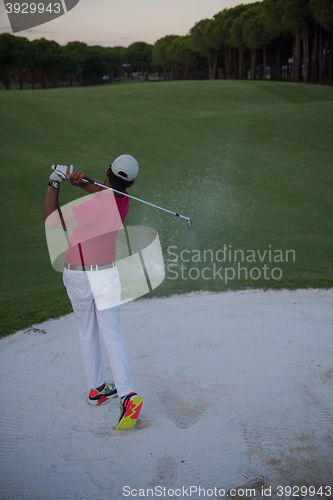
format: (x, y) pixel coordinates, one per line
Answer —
(92, 280)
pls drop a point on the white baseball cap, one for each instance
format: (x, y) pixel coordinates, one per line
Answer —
(125, 167)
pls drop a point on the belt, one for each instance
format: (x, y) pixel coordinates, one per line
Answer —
(95, 267)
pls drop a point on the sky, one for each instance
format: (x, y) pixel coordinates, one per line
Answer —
(122, 22)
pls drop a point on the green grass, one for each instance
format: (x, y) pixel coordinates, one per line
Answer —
(249, 162)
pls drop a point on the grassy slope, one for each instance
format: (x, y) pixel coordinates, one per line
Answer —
(250, 162)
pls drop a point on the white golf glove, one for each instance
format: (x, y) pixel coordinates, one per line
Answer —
(60, 173)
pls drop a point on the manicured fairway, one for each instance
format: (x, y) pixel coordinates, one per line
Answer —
(249, 162)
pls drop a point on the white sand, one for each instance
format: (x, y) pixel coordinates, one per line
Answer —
(237, 389)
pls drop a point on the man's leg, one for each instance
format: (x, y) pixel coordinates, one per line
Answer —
(131, 403)
(81, 297)
(109, 324)
(106, 289)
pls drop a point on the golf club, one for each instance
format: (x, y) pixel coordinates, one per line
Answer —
(87, 179)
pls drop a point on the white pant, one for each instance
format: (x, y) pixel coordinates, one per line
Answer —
(95, 297)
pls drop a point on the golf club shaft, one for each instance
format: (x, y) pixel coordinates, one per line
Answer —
(91, 181)
(134, 198)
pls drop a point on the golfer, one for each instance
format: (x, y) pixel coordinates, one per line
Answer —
(92, 280)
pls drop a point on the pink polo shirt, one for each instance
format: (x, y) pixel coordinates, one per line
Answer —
(100, 219)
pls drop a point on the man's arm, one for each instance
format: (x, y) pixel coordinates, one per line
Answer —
(76, 179)
(53, 217)
(52, 213)
(51, 204)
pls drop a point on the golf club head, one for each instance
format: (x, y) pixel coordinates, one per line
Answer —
(189, 223)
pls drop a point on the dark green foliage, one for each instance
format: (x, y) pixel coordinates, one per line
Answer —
(202, 40)
(272, 19)
(225, 20)
(269, 39)
(139, 56)
(294, 13)
(254, 30)
(183, 59)
(161, 61)
(323, 13)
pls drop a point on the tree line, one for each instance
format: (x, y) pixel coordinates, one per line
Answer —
(281, 40)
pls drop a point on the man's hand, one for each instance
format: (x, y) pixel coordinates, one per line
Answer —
(76, 178)
(61, 173)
